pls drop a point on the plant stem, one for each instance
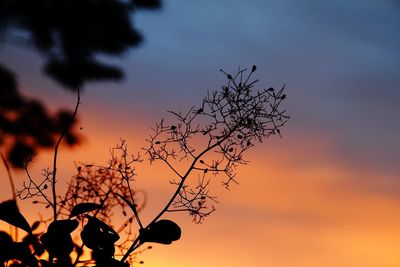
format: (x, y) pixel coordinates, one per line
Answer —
(12, 189)
(178, 189)
(53, 188)
(9, 177)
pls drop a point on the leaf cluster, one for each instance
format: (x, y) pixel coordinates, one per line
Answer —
(197, 146)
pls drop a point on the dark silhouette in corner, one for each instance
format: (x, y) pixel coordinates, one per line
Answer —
(69, 34)
(230, 121)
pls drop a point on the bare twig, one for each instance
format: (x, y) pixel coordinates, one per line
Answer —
(226, 125)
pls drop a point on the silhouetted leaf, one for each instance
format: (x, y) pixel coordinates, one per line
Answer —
(33, 240)
(99, 237)
(84, 207)
(6, 246)
(22, 252)
(35, 225)
(57, 240)
(63, 226)
(9, 212)
(163, 232)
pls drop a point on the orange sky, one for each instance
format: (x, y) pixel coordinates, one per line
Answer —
(326, 195)
(282, 214)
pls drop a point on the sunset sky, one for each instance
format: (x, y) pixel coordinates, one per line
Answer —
(326, 195)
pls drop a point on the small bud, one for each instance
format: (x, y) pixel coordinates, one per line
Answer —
(173, 127)
(202, 161)
(157, 142)
(253, 69)
(270, 89)
(239, 136)
(45, 186)
(229, 77)
(283, 96)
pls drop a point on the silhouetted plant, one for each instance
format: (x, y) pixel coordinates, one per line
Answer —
(69, 35)
(26, 124)
(212, 139)
(196, 146)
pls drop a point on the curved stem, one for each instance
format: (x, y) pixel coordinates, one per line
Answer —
(53, 188)
(178, 189)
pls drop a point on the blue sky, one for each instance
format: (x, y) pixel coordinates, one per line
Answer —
(340, 61)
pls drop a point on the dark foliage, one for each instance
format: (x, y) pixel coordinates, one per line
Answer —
(69, 34)
(229, 122)
(9, 212)
(26, 124)
(162, 231)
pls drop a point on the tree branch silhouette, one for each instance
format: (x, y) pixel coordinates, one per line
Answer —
(54, 173)
(69, 35)
(196, 146)
(213, 138)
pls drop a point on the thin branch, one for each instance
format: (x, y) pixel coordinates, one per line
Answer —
(69, 124)
(9, 177)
